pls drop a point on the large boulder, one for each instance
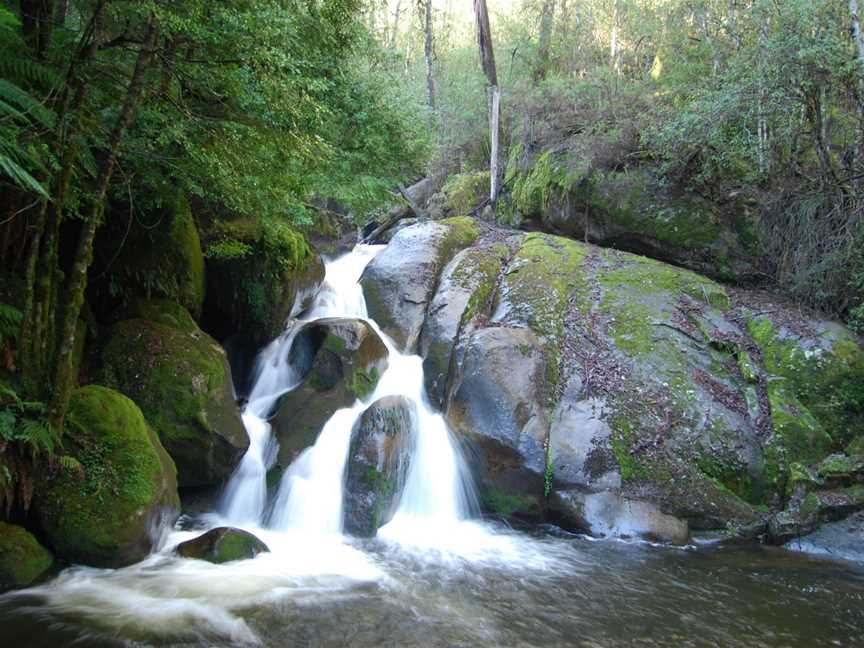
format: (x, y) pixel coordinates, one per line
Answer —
(22, 558)
(180, 378)
(377, 464)
(632, 210)
(222, 545)
(398, 284)
(464, 291)
(339, 361)
(104, 512)
(604, 373)
(258, 275)
(153, 262)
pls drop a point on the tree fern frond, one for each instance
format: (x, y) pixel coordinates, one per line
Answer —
(31, 109)
(70, 464)
(21, 176)
(37, 435)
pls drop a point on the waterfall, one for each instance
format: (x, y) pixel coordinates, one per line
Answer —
(437, 490)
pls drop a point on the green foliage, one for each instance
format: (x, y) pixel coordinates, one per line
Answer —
(10, 323)
(22, 424)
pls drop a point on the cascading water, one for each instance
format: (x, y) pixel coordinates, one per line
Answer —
(437, 492)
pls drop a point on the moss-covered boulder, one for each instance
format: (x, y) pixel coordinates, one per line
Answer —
(595, 371)
(153, 262)
(180, 378)
(104, 512)
(222, 545)
(632, 210)
(464, 290)
(258, 275)
(338, 361)
(22, 558)
(400, 281)
(377, 464)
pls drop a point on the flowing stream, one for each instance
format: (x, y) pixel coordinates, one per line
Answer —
(435, 575)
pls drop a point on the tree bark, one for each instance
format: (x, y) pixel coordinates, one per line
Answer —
(427, 52)
(614, 48)
(487, 62)
(546, 20)
(77, 282)
(37, 24)
(858, 40)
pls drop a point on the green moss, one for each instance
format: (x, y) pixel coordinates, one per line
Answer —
(181, 381)
(255, 273)
(856, 447)
(466, 190)
(462, 231)
(363, 383)
(164, 262)
(798, 436)
(494, 500)
(747, 367)
(236, 546)
(163, 311)
(22, 558)
(621, 442)
(100, 515)
(826, 373)
(838, 466)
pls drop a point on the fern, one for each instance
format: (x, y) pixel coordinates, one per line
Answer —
(37, 436)
(10, 322)
(70, 464)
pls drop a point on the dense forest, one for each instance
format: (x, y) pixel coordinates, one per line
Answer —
(175, 176)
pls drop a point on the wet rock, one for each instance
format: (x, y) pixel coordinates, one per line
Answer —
(180, 378)
(339, 360)
(843, 539)
(463, 296)
(275, 276)
(22, 558)
(222, 545)
(399, 282)
(498, 406)
(377, 464)
(606, 514)
(103, 512)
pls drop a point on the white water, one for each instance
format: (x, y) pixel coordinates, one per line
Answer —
(437, 492)
(310, 559)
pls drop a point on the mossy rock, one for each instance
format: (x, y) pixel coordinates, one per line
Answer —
(822, 365)
(466, 191)
(155, 262)
(22, 558)
(463, 298)
(377, 464)
(222, 545)
(340, 361)
(104, 513)
(181, 380)
(631, 210)
(258, 275)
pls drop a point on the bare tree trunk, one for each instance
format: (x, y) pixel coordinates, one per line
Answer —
(487, 62)
(77, 282)
(858, 40)
(614, 48)
(546, 20)
(427, 52)
(394, 33)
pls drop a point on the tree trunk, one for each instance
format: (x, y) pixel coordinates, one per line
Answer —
(427, 52)
(77, 281)
(546, 19)
(60, 13)
(487, 62)
(37, 23)
(858, 40)
(394, 33)
(614, 48)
